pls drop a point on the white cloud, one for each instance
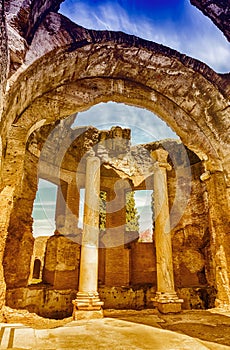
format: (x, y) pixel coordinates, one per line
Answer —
(194, 34)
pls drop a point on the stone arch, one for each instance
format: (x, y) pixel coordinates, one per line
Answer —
(188, 95)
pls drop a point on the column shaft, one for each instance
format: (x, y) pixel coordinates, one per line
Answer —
(87, 296)
(166, 298)
(72, 209)
(165, 279)
(61, 206)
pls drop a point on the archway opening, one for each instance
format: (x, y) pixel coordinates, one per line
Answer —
(142, 135)
(37, 269)
(44, 209)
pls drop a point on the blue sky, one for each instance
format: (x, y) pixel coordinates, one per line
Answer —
(177, 24)
(174, 23)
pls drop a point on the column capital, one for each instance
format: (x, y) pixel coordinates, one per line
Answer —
(160, 156)
(161, 165)
(212, 166)
(90, 154)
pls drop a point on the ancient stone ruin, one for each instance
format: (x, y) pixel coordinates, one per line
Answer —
(51, 68)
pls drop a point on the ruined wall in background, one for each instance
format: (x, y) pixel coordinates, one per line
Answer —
(62, 263)
(19, 242)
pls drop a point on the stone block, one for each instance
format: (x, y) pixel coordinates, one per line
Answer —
(87, 315)
(166, 308)
(61, 267)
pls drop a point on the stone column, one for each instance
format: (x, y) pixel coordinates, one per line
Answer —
(219, 224)
(72, 209)
(166, 299)
(87, 304)
(61, 207)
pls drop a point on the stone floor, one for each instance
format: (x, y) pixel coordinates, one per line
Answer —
(212, 325)
(121, 330)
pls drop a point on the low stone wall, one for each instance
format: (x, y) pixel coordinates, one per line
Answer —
(127, 297)
(51, 303)
(197, 298)
(46, 302)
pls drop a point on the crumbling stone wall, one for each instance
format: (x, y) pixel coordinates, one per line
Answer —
(62, 263)
(191, 236)
(19, 242)
(4, 58)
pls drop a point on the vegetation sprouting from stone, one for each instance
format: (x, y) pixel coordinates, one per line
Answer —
(132, 216)
(102, 211)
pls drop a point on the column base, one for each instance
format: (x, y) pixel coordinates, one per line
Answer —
(167, 302)
(87, 315)
(87, 305)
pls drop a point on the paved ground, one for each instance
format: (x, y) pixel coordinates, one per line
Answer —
(212, 326)
(114, 333)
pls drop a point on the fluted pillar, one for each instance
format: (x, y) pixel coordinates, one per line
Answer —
(87, 304)
(166, 298)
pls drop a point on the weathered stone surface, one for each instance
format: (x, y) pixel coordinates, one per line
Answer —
(4, 59)
(43, 300)
(190, 237)
(87, 315)
(197, 297)
(6, 196)
(160, 52)
(168, 307)
(19, 242)
(46, 302)
(61, 265)
(25, 16)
